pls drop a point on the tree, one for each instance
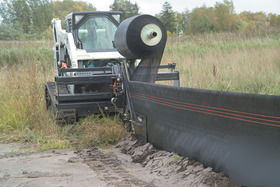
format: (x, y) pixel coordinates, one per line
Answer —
(251, 25)
(202, 20)
(25, 15)
(126, 7)
(40, 15)
(241, 24)
(181, 21)
(278, 20)
(226, 18)
(258, 20)
(272, 19)
(33, 17)
(7, 32)
(168, 18)
(16, 13)
(185, 19)
(62, 8)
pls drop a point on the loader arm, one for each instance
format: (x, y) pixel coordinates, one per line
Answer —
(63, 41)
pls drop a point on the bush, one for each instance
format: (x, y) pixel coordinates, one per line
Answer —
(8, 33)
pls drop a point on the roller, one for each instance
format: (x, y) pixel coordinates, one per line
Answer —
(140, 37)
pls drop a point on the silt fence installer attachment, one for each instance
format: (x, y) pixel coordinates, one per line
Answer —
(142, 37)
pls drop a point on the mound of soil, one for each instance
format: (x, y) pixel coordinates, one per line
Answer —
(135, 163)
(169, 169)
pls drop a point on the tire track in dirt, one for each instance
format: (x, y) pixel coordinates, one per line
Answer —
(135, 163)
(110, 168)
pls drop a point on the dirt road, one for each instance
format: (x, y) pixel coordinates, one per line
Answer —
(49, 168)
(129, 163)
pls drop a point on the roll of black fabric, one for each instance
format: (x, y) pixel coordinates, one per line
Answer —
(140, 37)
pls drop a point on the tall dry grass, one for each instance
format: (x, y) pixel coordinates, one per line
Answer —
(25, 67)
(227, 62)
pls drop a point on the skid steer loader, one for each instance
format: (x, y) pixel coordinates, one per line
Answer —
(89, 71)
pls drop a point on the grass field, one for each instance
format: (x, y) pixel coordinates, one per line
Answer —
(225, 61)
(228, 62)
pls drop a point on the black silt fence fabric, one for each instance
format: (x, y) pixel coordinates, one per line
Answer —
(147, 70)
(238, 134)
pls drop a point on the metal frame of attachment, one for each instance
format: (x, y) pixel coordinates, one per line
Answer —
(172, 75)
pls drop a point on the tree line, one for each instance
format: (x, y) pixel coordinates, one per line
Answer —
(220, 18)
(31, 19)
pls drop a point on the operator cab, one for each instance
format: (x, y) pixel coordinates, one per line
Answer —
(94, 31)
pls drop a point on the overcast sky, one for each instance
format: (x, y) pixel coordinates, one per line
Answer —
(155, 6)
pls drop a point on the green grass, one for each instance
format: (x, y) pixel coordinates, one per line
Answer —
(176, 159)
(100, 130)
